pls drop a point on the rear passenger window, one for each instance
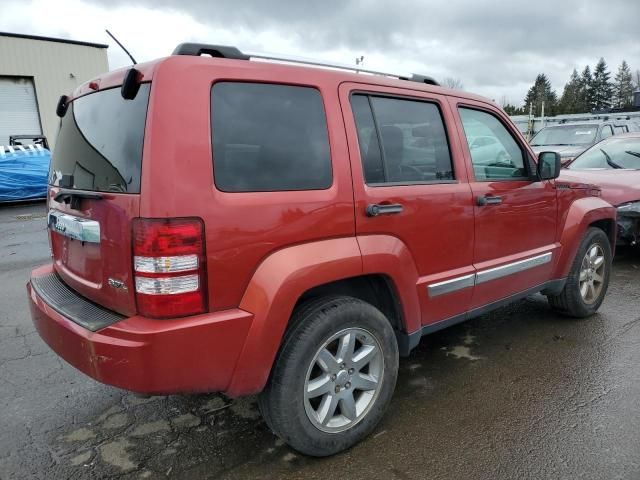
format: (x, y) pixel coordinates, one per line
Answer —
(269, 137)
(401, 141)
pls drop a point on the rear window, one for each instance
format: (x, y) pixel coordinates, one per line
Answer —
(99, 146)
(269, 137)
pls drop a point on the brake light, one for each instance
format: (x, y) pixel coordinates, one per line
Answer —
(169, 266)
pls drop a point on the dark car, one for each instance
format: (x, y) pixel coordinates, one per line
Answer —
(571, 139)
(614, 165)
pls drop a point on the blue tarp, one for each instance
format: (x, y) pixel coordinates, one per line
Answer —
(23, 172)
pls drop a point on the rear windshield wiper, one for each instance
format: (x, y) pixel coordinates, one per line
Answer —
(73, 197)
(608, 158)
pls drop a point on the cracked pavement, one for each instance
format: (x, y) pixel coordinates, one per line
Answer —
(518, 393)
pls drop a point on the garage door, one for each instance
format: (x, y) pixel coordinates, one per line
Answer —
(18, 108)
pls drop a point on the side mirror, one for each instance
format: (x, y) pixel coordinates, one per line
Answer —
(549, 165)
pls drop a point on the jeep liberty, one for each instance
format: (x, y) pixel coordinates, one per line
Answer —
(221, 224)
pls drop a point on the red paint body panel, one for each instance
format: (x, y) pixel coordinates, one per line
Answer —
(87, 267)
(618, 186)
(265, 250)
(275, 287)
(578, 213)
(438, 242)
(241, 228)
(196, 354)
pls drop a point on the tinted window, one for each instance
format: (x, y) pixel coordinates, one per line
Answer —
(269, 137)
(368, 140)
(499, 158)
(407, 142)
(566, 135)
(99, 146)
(607, 131)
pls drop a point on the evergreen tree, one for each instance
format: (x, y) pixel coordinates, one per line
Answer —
(513, 110)
(585, 98)
(623, 87)
(602, 88)
(571, 101)
(541, 92)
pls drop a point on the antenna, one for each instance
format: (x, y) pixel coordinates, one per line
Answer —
(121, 46)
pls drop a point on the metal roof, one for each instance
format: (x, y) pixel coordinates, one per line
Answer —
(51, 39)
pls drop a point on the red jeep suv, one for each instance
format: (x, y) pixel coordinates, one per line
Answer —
(221, 224)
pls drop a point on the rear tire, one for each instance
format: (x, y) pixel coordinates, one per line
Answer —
(334, 376)
(588, 279)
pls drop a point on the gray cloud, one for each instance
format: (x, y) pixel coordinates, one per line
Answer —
(495, 47)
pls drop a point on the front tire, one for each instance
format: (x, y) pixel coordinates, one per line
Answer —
(588, 279)
(334, 376)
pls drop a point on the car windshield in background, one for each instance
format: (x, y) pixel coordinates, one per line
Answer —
(566, 135)
(614, 153)
(99, 146)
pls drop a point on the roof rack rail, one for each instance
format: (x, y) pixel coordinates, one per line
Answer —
(223, 51)
(218, 51)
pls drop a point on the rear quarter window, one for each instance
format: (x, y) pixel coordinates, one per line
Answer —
(269, 137)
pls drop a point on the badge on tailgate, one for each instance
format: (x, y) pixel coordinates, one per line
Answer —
(74, 227)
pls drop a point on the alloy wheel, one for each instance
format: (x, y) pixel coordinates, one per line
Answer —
(343, 380)
(592, 273)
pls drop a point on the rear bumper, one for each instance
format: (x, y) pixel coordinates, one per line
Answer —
(193, 354)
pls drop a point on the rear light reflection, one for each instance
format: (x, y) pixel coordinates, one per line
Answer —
(179, 263)
(167, 285)
(169, 265)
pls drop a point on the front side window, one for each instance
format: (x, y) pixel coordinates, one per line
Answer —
(621, 129)
(495, 154)
(269, 137)
(401, 141)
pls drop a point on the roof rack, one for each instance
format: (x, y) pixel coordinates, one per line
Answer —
(223, 51)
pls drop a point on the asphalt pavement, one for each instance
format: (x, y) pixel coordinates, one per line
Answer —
(518, 393)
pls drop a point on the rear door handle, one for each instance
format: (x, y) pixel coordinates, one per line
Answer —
(488, 200)
(375, 209)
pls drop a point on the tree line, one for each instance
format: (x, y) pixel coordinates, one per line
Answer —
(584, 92)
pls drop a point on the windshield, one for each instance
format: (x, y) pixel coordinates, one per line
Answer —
(566, 135)
(613, 153)
(99, 147)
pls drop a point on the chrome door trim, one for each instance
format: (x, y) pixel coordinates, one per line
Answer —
(511, 268)
(453, 285)
(469, 280)
(73, 227)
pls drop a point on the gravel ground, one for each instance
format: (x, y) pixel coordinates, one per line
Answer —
(518, 393)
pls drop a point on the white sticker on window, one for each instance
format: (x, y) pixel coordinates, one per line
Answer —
(587, 132)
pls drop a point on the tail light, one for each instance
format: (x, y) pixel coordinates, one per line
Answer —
(169, 266)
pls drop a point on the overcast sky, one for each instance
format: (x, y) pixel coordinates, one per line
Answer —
(496, 48)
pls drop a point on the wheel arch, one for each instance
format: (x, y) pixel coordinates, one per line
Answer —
(582, 214)
(290, 276)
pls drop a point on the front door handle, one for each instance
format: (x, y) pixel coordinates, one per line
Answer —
(488, 200)
(375, 209)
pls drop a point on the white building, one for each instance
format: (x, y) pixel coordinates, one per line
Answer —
(34, 73)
